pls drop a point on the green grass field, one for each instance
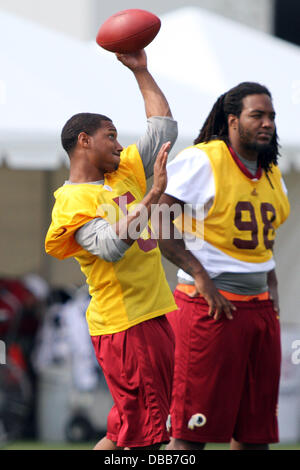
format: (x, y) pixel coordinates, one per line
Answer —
(36, 445)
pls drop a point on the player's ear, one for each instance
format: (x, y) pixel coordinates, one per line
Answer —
(232, 121)
(83, 140)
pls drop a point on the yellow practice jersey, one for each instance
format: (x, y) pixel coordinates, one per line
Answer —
(131, 290)
(240, 212)
(247, 210)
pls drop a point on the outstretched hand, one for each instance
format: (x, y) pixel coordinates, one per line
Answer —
(134, 61)
(160, 171)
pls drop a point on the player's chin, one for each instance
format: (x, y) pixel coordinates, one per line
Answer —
(113, 168)
(263, 145)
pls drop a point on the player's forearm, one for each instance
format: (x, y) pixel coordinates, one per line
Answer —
(156, 103)
(272, 279)
(175, 251)
(98, 237)
(171, 241)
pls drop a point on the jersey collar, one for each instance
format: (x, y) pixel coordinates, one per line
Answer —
(242, 167)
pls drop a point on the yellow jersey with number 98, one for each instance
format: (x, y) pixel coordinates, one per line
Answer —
(246, 210)
(235, 214)
(126, 292)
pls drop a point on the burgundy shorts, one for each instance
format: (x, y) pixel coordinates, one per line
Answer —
(138, 366)
(227, 372)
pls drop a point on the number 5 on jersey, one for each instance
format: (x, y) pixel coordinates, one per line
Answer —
(144, 244)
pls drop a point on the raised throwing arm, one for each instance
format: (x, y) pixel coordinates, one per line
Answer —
(155, 101)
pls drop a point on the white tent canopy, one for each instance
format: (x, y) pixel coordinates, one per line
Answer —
(212, 54)
(46, 77)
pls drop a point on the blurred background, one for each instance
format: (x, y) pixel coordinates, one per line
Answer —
(51, 389)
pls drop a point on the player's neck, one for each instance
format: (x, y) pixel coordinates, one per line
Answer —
(246, 153)
(81, 171)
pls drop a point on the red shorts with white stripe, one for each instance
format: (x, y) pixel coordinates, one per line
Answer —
(227, 372)
(138, 366)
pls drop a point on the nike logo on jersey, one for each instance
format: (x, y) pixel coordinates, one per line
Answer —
(63, 230)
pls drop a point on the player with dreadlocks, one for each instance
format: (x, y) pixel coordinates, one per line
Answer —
(216, 123)
(227, 362)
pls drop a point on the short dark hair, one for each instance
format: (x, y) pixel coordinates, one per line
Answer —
(82, 122)
(216, 124)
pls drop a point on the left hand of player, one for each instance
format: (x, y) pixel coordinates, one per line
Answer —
(160, 178)
(217, 303)
(273, 291)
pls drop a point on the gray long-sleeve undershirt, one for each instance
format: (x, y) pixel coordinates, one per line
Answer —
(98, 236)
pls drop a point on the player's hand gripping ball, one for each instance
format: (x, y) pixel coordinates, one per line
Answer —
(128, 31)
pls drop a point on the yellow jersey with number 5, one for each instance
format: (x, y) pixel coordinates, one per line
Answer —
(126, 292)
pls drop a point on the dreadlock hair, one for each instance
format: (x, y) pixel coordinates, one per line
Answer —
(216, 124)
(82, 122)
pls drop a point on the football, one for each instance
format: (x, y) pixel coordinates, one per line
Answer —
(128, 31)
